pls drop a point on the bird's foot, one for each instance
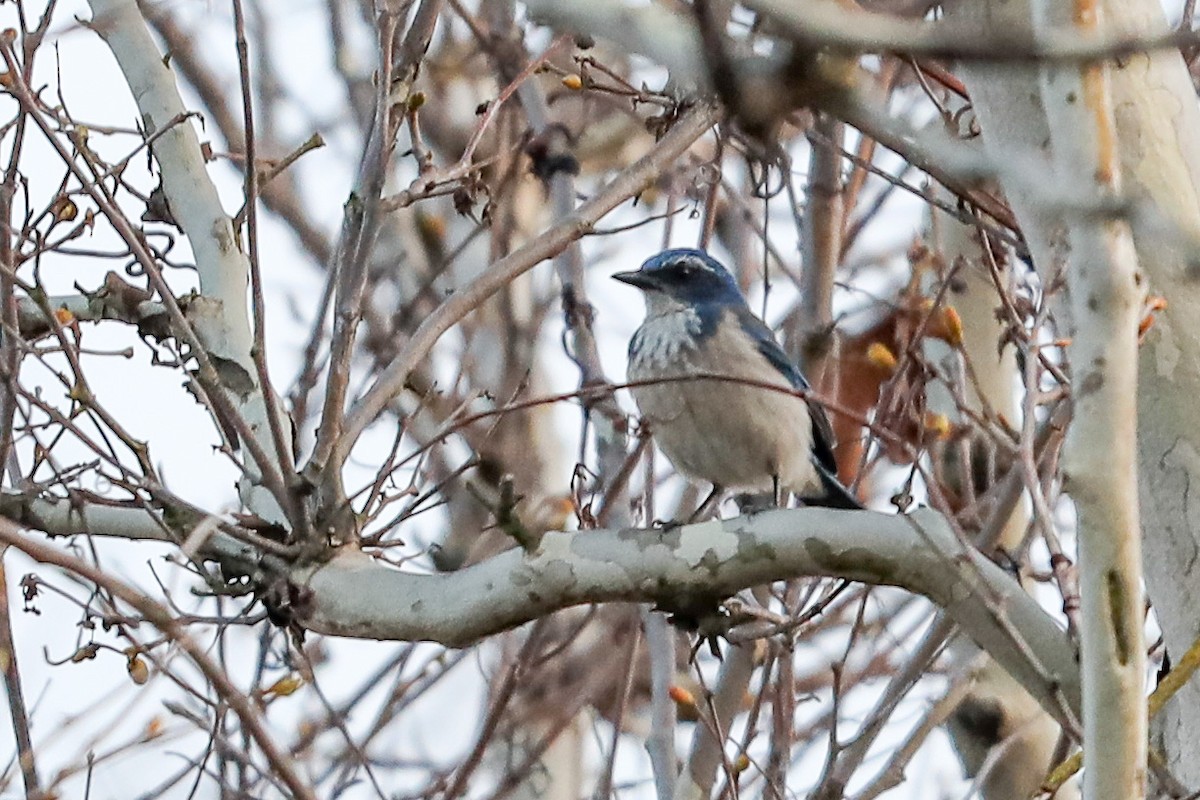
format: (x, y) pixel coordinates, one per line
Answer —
(705, 617)
(710, 505)
(750, 504)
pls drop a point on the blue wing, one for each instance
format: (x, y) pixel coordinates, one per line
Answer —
(822, 432)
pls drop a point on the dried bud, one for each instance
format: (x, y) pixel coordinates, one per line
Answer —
(1154, 304)
(139, 673)
(64, 209)
(85, 653)
(682, 696)
(80, 394)
(573, 82)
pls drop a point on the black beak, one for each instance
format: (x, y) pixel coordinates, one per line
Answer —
(639, 279)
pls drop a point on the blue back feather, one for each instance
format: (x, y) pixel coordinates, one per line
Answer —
(764, 339)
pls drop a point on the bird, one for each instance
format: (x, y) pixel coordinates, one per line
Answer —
(738, 433)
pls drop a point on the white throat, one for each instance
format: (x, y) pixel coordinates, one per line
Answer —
(671, 327)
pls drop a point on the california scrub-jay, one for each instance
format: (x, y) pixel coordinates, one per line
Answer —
(735, 433)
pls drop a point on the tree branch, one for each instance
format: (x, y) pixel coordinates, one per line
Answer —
(357, 596)
(281, 763)
(831, 24)
(354, 595)
(222, 267)
(1100, 452)
(16, 696)
(699, 773)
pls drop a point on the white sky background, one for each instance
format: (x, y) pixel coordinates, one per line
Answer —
(94, 704)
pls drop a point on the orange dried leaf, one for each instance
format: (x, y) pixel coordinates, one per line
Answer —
(741, 763)
(284, 686)
(64, 316)
(938, 424)
(154, 728)
(952, 326)
(431, 226)
(944, 323)
(882, 356)
(573, 82)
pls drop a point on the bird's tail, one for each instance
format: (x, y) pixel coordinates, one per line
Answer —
(835, 496)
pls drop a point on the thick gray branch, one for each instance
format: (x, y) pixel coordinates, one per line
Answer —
(90, 517)
(222, 267)
(355, 595)
(33, 320)
(219, 316)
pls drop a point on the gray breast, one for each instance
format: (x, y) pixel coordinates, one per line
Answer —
(738, 435)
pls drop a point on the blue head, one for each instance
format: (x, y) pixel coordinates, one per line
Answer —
(684, 277)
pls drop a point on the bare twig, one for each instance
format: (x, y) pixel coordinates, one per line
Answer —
(281, 763)
(16, 695)
(629, 183)
(707, 756)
